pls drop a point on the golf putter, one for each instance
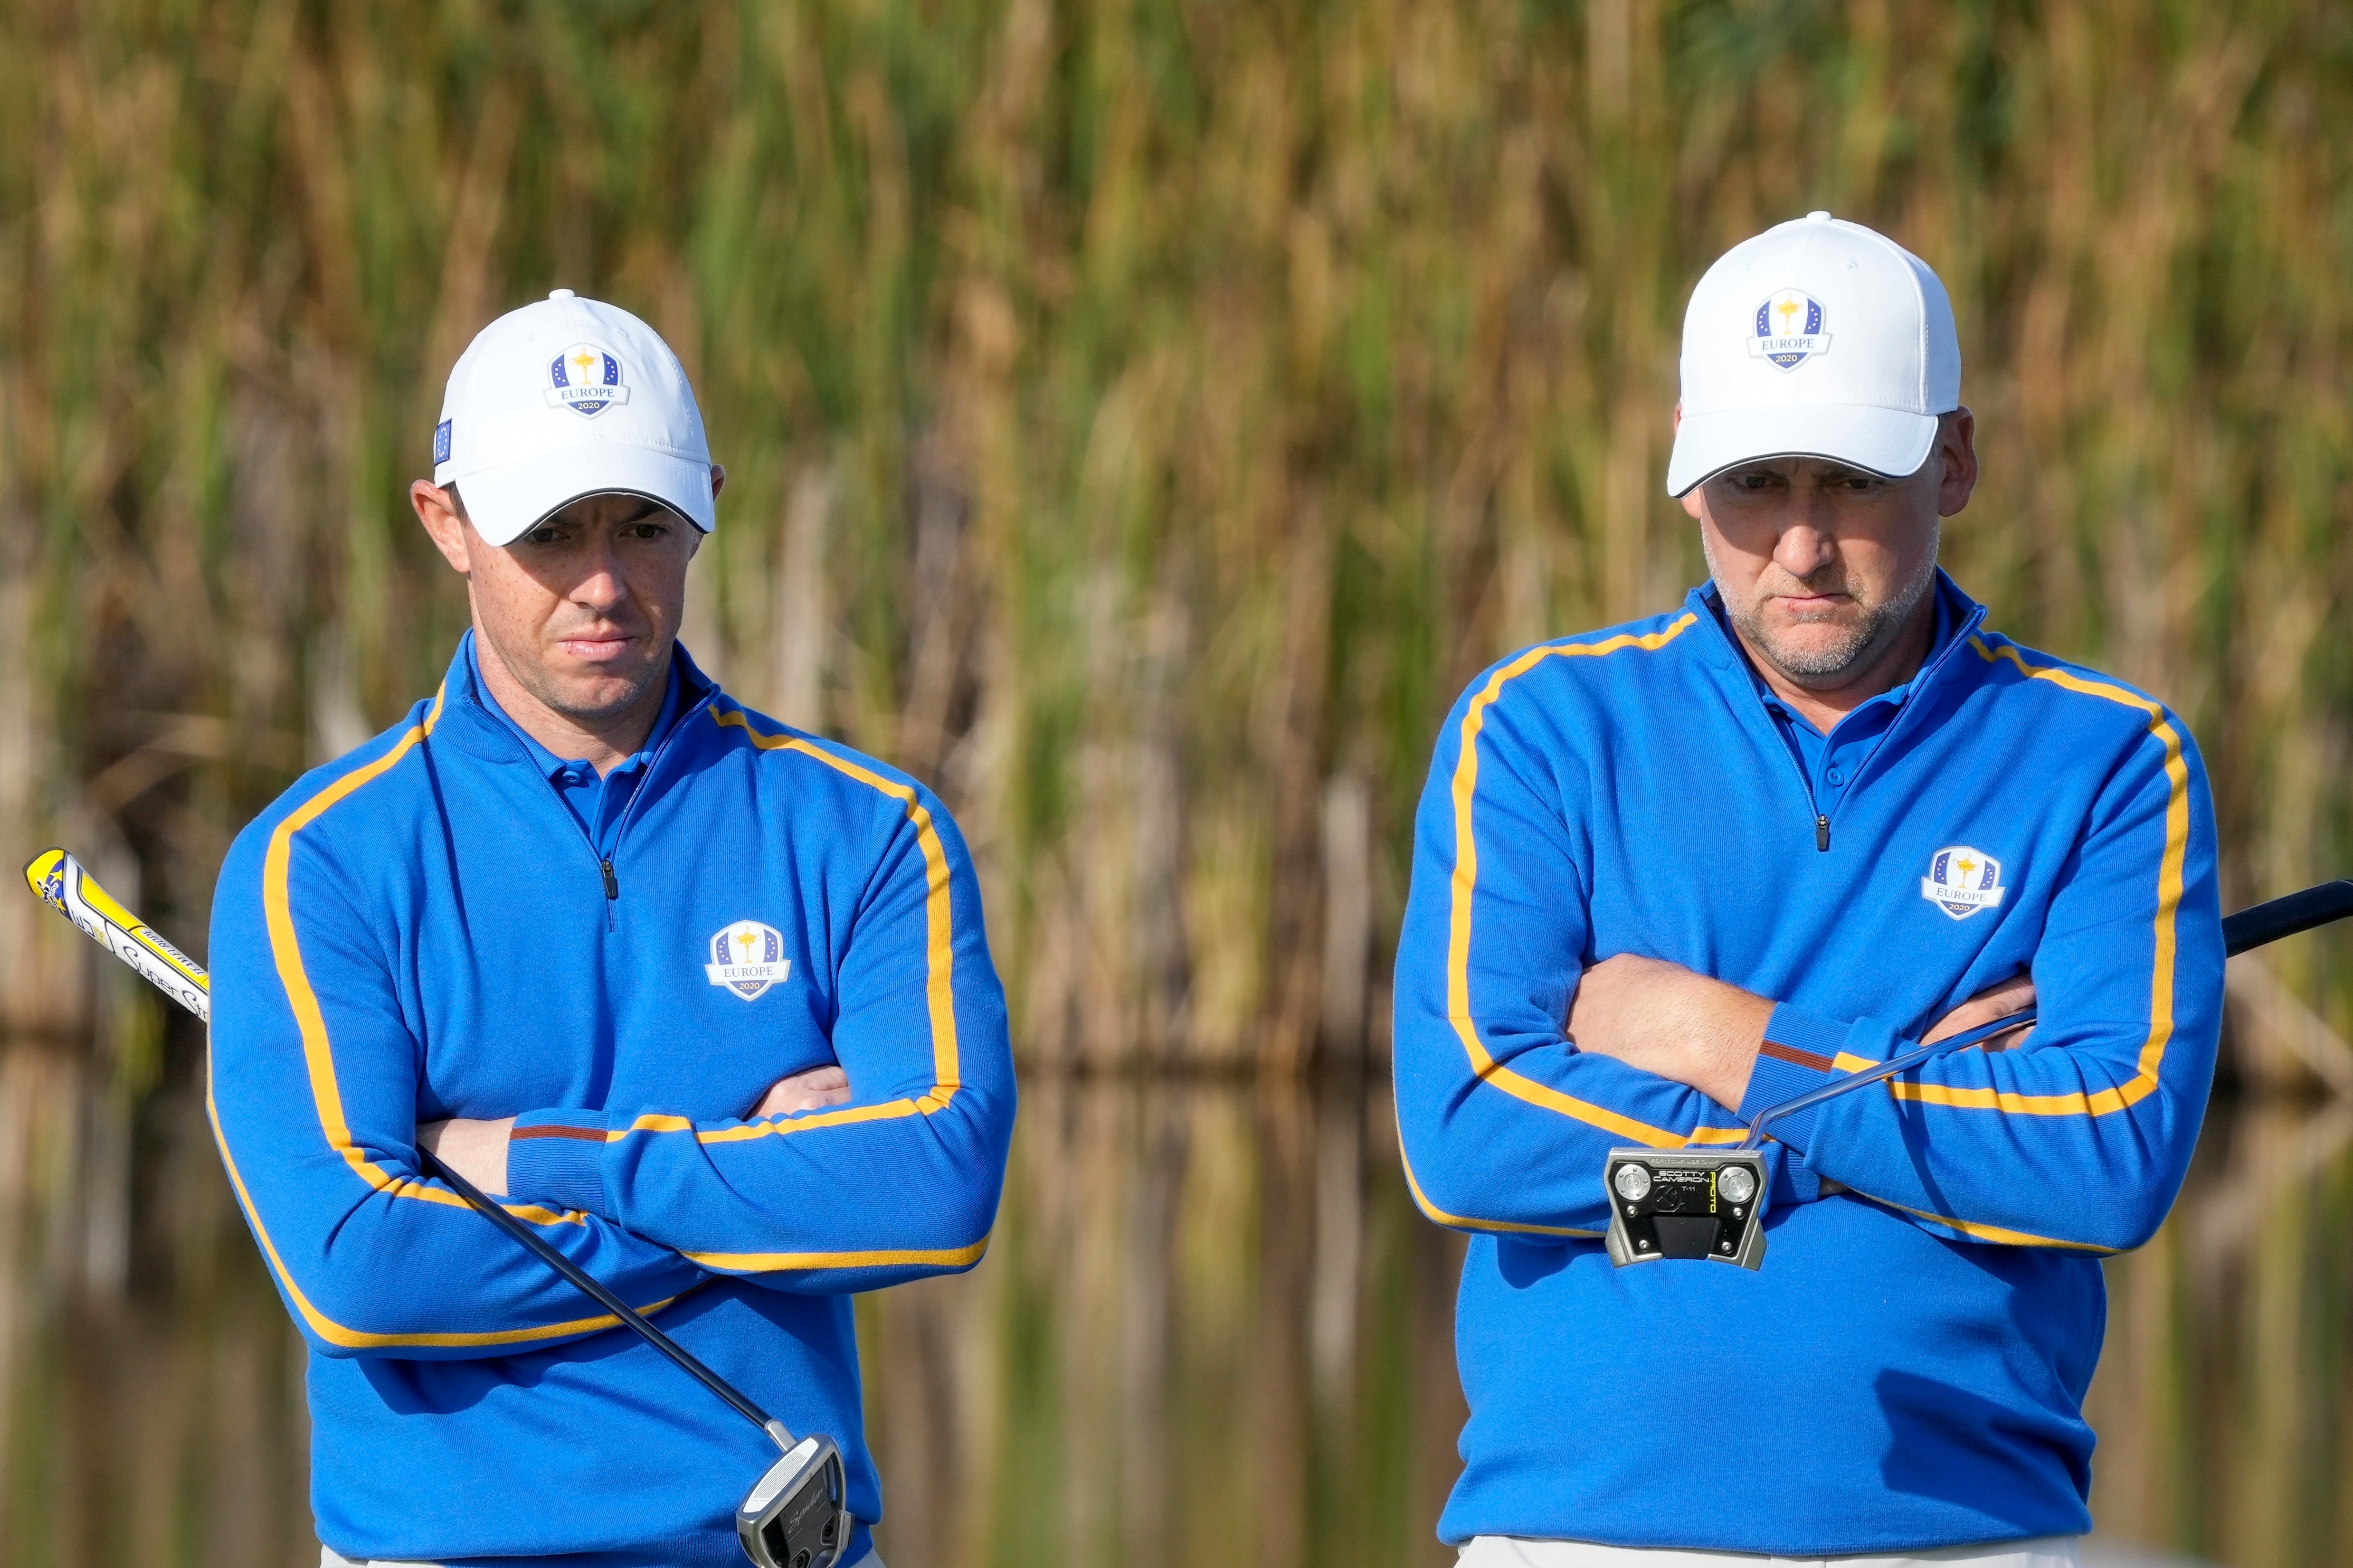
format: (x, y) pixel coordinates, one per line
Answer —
(1710, 1203)
(795, 1514)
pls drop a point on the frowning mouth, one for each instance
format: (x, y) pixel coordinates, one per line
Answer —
(1811, 604)
(596, 647)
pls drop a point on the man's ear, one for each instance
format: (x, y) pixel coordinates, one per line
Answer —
(1957, 447)
(437, 509)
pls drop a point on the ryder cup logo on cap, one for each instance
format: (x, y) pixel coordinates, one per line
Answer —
(1759, 378)
(586, 379)
(1790, 330)
(566, 398)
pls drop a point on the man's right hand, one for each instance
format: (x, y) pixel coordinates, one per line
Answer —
(811, 1089)
(1998, 1000)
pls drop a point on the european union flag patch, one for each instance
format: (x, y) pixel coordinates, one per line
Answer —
(441, 443)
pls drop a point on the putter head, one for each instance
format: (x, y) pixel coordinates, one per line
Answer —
(1685, 1202)
(792, 1516)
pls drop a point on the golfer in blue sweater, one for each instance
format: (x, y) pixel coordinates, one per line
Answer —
(706, 998)
(1669, 874)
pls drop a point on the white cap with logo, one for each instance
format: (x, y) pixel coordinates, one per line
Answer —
(564, 398)
(1819, 338)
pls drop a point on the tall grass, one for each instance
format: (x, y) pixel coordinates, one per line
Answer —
(1142, 417)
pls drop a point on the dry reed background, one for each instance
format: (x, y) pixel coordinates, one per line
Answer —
(1142, 417)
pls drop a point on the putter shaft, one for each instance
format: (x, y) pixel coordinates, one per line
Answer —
(59, 881)
(2250, 928)
(587, 1284)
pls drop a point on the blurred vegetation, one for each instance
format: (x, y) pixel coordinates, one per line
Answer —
(1142, 417)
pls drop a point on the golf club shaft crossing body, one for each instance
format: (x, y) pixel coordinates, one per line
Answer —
(61, 881)
(587, 1284)
(2250, 928)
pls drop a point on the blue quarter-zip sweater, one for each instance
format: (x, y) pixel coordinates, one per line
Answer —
(423, 929)
(1907, 1369)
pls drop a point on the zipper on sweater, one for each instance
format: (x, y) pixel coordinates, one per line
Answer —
(621, 828)
(1805, 787)
(605, 862)
(1961, 634)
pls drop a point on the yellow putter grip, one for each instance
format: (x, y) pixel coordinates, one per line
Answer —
(45, 873)
(61, 881)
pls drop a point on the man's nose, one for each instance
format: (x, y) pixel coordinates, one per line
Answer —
(601, 585)
(1803, 549)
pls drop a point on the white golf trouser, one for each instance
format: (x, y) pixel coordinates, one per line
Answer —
(1517, 1551)
(331, 1558)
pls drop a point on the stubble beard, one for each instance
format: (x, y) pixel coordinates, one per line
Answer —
(543, 687)
(1857, 640)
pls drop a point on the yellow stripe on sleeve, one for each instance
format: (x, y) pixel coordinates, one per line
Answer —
(2169, 879)
(939, 955)
(336, 1334)
(1980, 1232)
(1465, 884)
(1458, 1222)
(326, 1093)
(772, 1262)
(286, 949)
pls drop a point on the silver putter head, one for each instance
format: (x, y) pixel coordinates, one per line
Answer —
(1685, 1202)
(792, 1516)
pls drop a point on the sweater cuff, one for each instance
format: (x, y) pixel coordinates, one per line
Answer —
(557, 1157)
(1800, 1054)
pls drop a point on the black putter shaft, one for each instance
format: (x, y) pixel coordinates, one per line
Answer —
(2267, 923)
(1901, 1062)
(2250, 928)
(58, 879)
(580, 1281)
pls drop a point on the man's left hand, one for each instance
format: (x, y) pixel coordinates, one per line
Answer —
(1667, 1020)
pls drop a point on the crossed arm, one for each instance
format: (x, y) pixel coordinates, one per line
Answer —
(477, 1149)
(1519, 1062)
(1690, 1030)
(315, 1088)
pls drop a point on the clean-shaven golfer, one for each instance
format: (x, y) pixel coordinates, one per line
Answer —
(1672, 873)
(708, 998)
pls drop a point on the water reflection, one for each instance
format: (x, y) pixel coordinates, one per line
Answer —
(1211, 1330)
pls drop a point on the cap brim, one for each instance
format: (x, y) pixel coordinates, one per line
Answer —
(505, 502)
(1887, 441)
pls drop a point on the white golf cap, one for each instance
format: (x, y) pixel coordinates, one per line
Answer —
(1819, 338)
(564, 398)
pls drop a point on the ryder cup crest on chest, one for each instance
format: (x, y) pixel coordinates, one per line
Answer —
(1962, 881)
(747, 957)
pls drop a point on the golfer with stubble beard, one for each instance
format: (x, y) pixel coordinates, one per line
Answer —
(706, 998)
(1673, 873)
